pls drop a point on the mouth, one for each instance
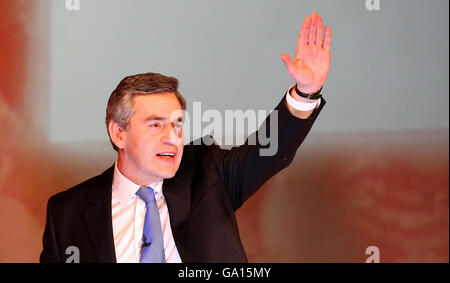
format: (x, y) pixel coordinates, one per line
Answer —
(167, 156)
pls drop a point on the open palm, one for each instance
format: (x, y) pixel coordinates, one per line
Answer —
(311, 64)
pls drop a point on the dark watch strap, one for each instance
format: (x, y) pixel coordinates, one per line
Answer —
(315, 95)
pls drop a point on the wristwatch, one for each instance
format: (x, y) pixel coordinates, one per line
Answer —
(315, 95)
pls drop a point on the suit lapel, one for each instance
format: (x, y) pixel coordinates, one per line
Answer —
(99, 219)
(177, 193)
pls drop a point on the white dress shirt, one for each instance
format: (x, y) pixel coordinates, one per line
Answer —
(305, 104)
(128, 210)
(128, 215)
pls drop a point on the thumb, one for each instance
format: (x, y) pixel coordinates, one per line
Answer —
(287, 62)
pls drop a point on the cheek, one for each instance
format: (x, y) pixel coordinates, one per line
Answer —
(180, 151)
(148, 147)
(141, 145)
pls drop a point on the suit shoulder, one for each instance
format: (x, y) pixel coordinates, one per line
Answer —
(199, 148)
(78, 191)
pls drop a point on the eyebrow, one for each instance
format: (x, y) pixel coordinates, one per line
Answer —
(159, 118)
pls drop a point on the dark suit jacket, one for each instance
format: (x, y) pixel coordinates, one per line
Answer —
(202, 197)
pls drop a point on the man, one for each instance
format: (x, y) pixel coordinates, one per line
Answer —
(165, 202)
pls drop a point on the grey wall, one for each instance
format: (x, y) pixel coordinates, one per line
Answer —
(389, 68)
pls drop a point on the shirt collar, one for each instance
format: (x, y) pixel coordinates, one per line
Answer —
(126, 189)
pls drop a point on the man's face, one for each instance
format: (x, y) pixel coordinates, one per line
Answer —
(153, 141)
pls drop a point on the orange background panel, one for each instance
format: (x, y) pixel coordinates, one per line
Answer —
(13, 56)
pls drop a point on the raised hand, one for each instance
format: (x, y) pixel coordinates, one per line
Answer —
(311, 64)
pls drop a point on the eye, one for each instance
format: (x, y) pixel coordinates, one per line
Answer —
(155, 125)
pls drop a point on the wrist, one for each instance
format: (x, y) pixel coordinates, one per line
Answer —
(309, 95)
(308, 89)
(297, 97)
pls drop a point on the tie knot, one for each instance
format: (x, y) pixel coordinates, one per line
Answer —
(147, 194)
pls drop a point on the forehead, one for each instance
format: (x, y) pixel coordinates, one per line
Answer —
(161, 104)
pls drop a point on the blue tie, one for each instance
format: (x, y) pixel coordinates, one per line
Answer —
(152, 239)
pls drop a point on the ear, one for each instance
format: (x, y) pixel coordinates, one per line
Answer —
(117, 134)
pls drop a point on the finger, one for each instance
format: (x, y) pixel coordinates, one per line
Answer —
(327, 40)
(304, 32)
(319, 35)
(303, 37)
(313, 29)
(287, 63)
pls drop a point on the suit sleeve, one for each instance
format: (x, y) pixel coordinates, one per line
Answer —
(244, 169)
(50, 253)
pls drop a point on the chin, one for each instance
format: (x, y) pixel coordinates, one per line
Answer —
(168, 174)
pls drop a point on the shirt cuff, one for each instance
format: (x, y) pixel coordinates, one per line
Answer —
(307, 105)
